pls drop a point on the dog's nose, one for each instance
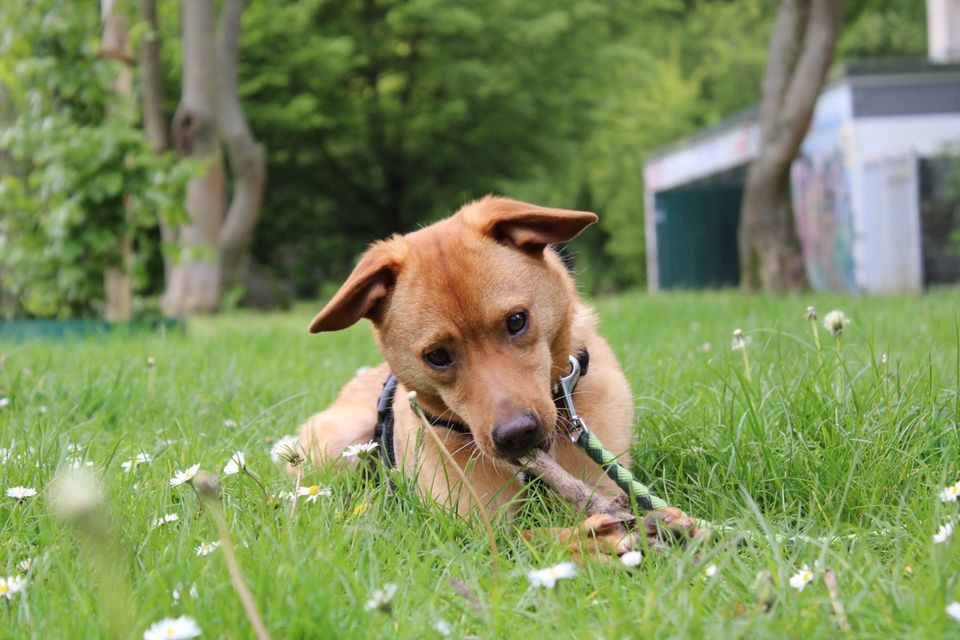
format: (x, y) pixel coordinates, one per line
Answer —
(518, 435)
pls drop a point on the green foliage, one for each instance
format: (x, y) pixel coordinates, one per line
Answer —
(773, 451)
(82, 174)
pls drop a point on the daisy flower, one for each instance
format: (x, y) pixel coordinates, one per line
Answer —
(632, 558)
(11, 586)
(943, 533)
(26, 565)
(181, 628)
(206, 548)
(287, 449)
(548, 577)
(950, 494)
(710, 571)
(133, 463)
(799, 580)
(21, 493)
(953, 610)
(835, 322)
(182, 477)
(312, 492)
(380, 598)
(4, 402)
(359, 450)
(165, 519)
(230, 423)
(235, 464)
(739, 341)
(442, 627)
(193, 592)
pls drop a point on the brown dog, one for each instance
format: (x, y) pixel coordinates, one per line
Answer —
(479, 316)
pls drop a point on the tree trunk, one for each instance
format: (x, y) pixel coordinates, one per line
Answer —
(801, 50)
(194, 282)
(154, 122)
(247, 158)
(117, 282)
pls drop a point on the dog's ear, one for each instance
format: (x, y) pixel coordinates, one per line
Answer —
(364, 291)
(527, 226)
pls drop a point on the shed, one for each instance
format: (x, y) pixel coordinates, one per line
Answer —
(875, 210)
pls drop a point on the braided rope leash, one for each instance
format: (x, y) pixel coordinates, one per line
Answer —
(590, 444)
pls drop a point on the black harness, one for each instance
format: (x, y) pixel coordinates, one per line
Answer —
(383, 434)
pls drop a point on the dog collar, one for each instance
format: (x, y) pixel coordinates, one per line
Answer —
(383, 433)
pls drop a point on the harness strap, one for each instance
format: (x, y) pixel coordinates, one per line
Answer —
(383, 433)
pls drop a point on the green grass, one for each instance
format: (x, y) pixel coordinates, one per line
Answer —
(777, 451)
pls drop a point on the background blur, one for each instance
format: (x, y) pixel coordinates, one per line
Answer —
(372, 117)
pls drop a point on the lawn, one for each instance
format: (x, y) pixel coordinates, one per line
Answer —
(857, 437)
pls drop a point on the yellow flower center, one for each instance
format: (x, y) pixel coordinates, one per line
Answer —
(313, 490)
(3, 588)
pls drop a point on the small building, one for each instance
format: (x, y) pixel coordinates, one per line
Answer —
(874, 187)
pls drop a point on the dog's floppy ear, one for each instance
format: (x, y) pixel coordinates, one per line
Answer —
(527, 226)
(360, 296)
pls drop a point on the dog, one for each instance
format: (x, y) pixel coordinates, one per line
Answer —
(478, 315)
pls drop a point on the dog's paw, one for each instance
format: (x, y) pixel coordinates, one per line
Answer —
(670, 525)
(600, 534)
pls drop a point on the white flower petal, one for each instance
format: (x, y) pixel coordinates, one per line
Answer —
(182, 477)
(632, 558)
(182, 628)
(548, 577)
(21, 493)
(953, 610)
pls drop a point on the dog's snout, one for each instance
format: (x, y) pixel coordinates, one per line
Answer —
(517, 435)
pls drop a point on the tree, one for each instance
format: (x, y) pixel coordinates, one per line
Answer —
(213, 244)
(801, 50)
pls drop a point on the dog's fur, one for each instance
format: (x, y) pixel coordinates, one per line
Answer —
(452, 285)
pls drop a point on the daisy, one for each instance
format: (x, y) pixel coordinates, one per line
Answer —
(235, 464)
(801, 579)
(740, 341)
(953, 610)
(4, 402)
(835, 322)
(548, 577)
(25, 565)
(943, 533)
(182, 477)
(710, 571)
(230, 423)
(442, 627)
(950, 494)
(312, 492)
(632, 558)
(21, 493)
(206, 548)
(133, 463)
(287, 449)
(166, 518)
(359, 450)
(193, 592)
(180, 628)
(10, 586)
(380, 598)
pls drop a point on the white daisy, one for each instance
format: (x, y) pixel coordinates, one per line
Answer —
(740, 341)
(11, 585)
(26, 565)
(548, 577)
(4, 402)
(235, 464)
(193, 592)
(442, 627)
(21, 493)
(801, 579)
(951, 493)
(206, 548)
(836, 321)
(182, 477)
(313, 492)
(632, 558)
(181, 628)
(943, 533)
(710, 570)
(136, 461)
(953, 610)
(380, 598)
(359, 450)
(287, 449)
(230, 423)
(165, 519)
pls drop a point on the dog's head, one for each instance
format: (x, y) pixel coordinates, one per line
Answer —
(474, 314)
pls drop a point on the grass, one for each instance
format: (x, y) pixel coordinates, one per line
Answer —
(778, 450)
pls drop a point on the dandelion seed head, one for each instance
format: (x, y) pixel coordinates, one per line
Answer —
(835, 322)
(810, 314)
(287, 449)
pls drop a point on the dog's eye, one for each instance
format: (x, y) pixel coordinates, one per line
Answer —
(438, 358)
(517, 322)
